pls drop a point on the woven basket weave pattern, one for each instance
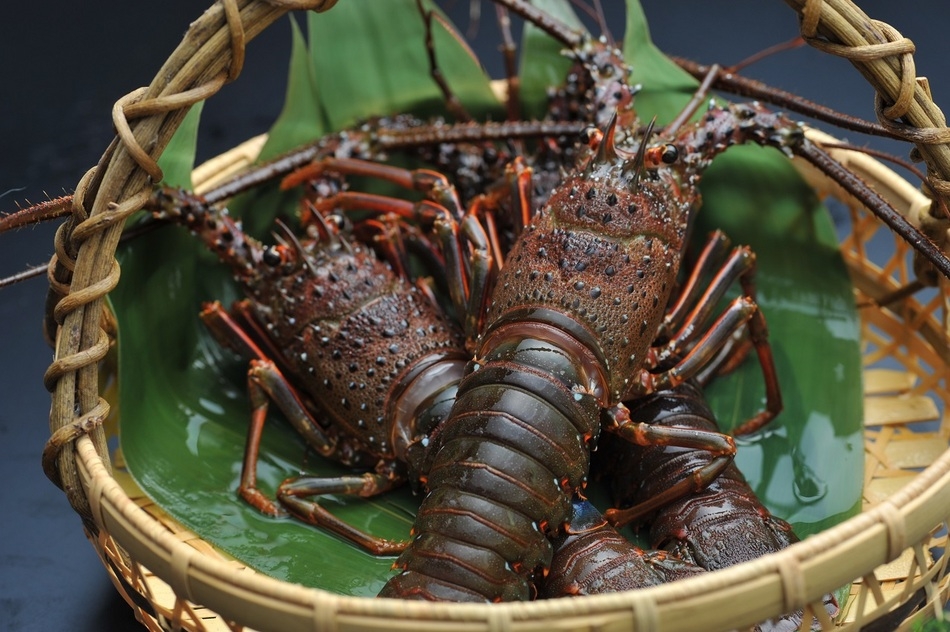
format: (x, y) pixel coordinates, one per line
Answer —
(163, 571)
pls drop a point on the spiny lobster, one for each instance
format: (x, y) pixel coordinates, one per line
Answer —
(720, 525)
(688, 526)
(548, 362)
(325, 317)
(591, 557)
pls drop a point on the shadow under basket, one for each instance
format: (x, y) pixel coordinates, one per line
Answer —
(892, 552)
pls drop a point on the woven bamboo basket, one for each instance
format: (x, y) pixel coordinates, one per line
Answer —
(175, 580)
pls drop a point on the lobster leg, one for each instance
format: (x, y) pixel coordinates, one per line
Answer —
(719, 446)
(434, 185)
(740, 263)
(386, 236)
(295, 493)
(736, 316)
(247, 488)
(266, 384)
(740, 266)
(713, 253)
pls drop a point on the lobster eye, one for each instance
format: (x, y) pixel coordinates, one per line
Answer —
(591, 136)
(272, 257)
(670, 154)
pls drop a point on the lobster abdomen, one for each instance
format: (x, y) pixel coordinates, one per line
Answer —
(503, 470)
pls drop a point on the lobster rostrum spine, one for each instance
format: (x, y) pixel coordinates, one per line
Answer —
(549, 361)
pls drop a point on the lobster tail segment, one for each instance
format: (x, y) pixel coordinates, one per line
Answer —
(505, 464)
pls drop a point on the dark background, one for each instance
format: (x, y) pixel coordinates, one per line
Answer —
(64, 64)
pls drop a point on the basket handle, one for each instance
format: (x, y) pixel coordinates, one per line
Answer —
(886, 59)
(84, 268)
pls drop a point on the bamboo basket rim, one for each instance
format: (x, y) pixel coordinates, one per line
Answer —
(763, 588)
(83, 271)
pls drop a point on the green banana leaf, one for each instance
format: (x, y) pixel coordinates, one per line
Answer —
(543, 63)
(367, 83)
(182, 398)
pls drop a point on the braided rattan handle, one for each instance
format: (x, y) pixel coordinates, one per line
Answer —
(902, 102)
(84, 269)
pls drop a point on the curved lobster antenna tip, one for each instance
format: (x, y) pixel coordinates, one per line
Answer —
(635, 165)
(607, 152)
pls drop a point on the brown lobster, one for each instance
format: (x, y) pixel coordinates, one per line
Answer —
(335, 338)
(718, 526)
(592, 557)
(715, 527)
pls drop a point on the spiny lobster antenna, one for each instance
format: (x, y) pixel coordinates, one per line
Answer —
(636, 163)
(571, 38)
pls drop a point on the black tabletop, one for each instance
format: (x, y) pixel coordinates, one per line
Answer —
(64, 64)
